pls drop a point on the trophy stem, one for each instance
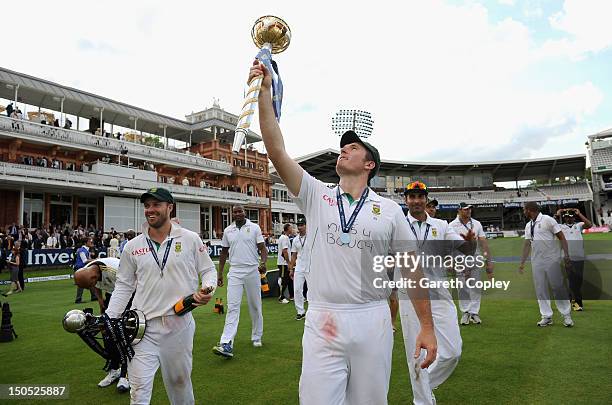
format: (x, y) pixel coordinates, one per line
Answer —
(248, 109)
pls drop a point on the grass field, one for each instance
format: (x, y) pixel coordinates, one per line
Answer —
(505, 360)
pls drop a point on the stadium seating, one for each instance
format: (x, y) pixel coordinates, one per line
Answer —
(579, 191)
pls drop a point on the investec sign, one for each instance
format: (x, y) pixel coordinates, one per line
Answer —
(53, 257)
(64, 257)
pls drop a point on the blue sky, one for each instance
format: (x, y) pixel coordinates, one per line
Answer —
(444, 80)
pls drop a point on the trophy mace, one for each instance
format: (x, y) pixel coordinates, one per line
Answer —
(273, 34)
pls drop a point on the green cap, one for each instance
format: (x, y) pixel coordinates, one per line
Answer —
(160, 194)
(352, 137)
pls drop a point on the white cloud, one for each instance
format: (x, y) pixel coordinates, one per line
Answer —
(587, 25)
(507, 2)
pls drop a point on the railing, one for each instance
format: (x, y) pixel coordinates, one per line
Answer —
(120, 183)
(112, 145)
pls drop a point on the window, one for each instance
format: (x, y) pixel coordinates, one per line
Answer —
(224, 218)
(281, 195)
(252, 215)
(33, 210)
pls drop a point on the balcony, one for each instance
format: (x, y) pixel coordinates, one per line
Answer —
(20, 174)
(249, 172)
(28, 130)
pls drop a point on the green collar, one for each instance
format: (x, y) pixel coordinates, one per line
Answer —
(157, 245)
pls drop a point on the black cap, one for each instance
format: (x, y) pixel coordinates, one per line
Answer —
(351, 137)
(433, 203)
(301, 221)
(160, 194)
(463, 205)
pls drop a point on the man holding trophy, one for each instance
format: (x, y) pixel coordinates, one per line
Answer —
(347, 341)
(163, 265)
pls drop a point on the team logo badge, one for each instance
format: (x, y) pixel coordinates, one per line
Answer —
(177, 247)
(376, 209)
(434, 232)
(153, 190)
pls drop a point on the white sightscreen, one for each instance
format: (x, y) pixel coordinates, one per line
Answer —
(189, 216)
(122, 214)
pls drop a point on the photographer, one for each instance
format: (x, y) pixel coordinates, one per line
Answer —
(573, 233)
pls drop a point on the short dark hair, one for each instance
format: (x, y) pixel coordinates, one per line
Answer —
(532, 206)
(286, 226)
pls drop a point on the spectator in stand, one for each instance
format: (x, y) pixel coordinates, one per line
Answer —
(9, 109)
(51, 242)
(129, 235)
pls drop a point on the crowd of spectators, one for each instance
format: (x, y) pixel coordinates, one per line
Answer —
(58, 237)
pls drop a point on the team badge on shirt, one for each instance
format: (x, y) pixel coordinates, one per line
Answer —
(434, 232)
(177, 247)
(376, 209)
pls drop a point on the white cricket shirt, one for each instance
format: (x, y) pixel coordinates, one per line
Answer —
(242, 243)
(343, 273)
(575, 242)
(108, 273)
(283, 243)
(156, 294)
(300, 246)
(544, 246)
(462, 229)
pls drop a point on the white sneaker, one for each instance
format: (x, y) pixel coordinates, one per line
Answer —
(111, 377)
(567, 321)
(284, 301)
(545, 322)
(465, 319)
(257, 343)
(123, 385)
(475, 319)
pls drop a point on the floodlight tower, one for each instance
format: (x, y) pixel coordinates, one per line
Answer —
(359, 121)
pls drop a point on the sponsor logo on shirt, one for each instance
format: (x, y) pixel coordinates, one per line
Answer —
(140, 252)
(330, 200)
(202, 249)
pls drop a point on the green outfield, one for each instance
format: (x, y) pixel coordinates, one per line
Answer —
(507, 359)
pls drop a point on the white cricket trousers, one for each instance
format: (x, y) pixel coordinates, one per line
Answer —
(298, 291)
(240, 279)
(446, 328)
(168, 342)
(545, 273)
(469, 297)
(346, 356)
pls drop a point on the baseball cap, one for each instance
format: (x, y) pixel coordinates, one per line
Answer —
(416, 187)
(433, 203)
(160, 194)
(351, 137)
(463, 205)
(301, 221)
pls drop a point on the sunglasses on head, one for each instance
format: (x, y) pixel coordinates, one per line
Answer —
(416, 185)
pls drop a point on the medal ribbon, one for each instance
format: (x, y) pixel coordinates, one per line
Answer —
(417, 236)
(346, 226)
(166, 254)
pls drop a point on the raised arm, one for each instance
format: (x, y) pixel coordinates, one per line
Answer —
(287, 168)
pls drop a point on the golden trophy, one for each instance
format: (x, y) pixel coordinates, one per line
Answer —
(271, 35)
